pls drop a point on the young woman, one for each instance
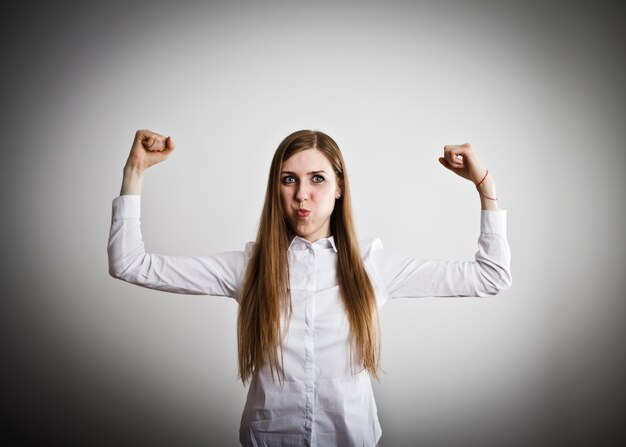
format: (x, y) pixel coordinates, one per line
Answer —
(308, 291)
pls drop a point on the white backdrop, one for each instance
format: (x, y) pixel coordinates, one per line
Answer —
(537, 90)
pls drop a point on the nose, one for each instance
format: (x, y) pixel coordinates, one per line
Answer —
(302, 193)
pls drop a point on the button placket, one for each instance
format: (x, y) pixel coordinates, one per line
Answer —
(309, 343)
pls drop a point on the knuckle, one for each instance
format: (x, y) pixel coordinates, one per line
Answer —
(143, 133)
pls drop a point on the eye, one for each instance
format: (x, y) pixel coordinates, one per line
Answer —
(289, 179)
(318, 179)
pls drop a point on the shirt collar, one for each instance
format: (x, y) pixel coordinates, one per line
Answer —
(325, 242)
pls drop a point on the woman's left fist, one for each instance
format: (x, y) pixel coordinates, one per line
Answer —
(462, 160)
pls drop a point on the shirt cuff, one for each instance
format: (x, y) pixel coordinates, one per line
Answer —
(127, 207)
(493, 221)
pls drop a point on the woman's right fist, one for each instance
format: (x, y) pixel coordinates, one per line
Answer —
(149, 148)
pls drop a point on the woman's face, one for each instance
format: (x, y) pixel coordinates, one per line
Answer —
(308, 190)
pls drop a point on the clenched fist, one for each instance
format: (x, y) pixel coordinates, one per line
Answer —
(149, 148)
(462, 160)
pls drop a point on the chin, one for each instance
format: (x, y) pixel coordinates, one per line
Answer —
(303, 233)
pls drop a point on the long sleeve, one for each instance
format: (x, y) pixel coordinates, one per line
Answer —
(397, 275)
(219, 274)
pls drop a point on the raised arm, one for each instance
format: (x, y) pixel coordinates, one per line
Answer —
(463, 161)
(218, 274)
(148, 149)
(398, 275)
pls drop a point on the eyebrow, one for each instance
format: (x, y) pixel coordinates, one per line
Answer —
(310, 172)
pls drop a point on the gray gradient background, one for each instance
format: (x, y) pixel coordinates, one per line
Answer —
(537, 88)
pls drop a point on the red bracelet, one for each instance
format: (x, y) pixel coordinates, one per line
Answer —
(479, 183)
(487, 197)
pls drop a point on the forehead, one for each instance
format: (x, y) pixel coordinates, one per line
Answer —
(306, 161)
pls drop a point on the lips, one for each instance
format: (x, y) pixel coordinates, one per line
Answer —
(302, 213)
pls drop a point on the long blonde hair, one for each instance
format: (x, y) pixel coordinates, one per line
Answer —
(265, 293)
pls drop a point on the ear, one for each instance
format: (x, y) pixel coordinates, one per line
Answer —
(339, 188)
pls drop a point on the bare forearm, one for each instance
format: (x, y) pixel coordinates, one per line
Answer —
(488, 188)
(148, 149)
(132, 181)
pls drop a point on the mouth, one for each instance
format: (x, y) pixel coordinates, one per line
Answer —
(302, 213)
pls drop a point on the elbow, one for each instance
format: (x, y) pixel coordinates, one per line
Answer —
(498, 281)
(115, 271)
(504, 284)
(127, 268)
(121, 265)
(118, 268)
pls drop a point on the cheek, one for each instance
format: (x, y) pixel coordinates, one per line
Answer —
(329, 194)
(284, 195)
(327, 203)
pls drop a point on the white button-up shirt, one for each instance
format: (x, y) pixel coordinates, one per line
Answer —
(324, 399)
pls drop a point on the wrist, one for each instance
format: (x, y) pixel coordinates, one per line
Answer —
(487, 185)
(488, 204)
(487, 192)
(132, 180)
(133, 167)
